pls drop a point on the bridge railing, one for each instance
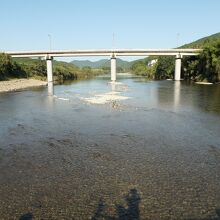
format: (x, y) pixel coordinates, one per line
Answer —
(105, 52)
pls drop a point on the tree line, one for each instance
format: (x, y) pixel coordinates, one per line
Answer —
(36, 68)
(204, 67)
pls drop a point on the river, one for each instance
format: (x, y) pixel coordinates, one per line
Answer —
(134, 150)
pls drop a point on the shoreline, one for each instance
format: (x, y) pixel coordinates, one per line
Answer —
(20, 84)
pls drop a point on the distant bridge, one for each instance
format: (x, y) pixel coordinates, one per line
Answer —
(112, 53)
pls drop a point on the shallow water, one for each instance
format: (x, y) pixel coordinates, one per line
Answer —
(155, 155)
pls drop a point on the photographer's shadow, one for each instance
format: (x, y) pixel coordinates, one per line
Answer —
(132, 211)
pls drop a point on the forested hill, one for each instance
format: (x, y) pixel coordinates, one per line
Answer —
(103, 63)
(92, 64)
(205, 67)
(202, 42)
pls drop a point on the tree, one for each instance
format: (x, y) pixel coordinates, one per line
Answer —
(5, 66)
(206, 66)
(165, 67)
(9, 68)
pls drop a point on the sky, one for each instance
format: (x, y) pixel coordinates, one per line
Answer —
(91, 24)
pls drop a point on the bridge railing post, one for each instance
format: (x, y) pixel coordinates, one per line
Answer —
(177, 74)
(113, 68)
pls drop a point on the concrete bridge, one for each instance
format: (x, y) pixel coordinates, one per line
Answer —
(112, 53)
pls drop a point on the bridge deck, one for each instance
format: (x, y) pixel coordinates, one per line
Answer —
(104, 52)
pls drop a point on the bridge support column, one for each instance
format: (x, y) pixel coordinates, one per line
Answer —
(113, 68)
(177, 73)
(49, 61)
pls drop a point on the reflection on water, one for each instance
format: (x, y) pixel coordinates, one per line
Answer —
(50, 88)
(185, 96)
(151, 94)
(177, 90)
(207, 97)
(113, 87)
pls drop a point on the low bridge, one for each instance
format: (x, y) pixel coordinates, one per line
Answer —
(112, 53)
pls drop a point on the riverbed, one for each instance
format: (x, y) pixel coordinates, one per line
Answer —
(133, 150)
(20, 84)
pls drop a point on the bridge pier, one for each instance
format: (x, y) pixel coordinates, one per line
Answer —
(177, 73)
(113, 68)
(49, 61)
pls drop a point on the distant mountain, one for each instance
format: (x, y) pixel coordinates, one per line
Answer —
(92, 64)
(104, 63)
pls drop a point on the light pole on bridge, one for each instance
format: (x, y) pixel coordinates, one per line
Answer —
(50, 41)
(177, 39)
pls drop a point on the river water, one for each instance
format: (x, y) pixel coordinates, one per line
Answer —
(144, 150)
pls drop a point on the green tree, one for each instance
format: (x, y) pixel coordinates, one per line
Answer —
(165, 67)
(9, 68)
(141, 68)
(206, 66)
(6, 66)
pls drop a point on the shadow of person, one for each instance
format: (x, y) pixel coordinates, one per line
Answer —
(133, 201)
(121, 212)
(132, 212)
(218, 214)
(100, 210)
(27, 216)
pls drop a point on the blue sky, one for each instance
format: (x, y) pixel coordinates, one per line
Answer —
(87, 24)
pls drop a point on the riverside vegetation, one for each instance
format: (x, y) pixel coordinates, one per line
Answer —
(204, 67)
(36, 68)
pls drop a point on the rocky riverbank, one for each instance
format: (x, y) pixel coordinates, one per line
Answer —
(19, 84)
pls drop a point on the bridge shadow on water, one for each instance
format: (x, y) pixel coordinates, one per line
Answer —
(132, 211)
